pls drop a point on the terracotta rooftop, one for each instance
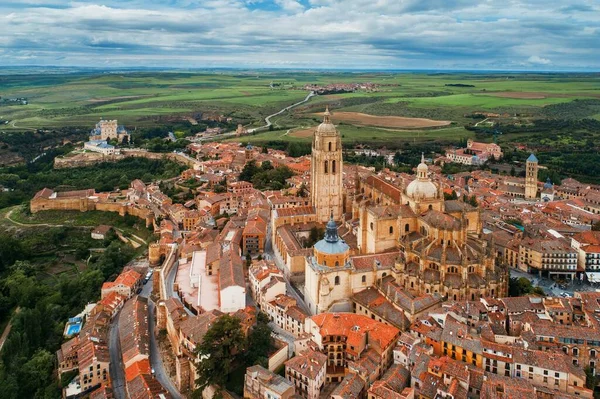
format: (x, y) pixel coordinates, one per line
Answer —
(354, 327)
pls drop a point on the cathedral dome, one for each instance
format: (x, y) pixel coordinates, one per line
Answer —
(331, 244)
(422, 187)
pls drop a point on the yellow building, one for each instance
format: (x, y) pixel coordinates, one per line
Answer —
(441, 249)
(531, 173)
(326, 171)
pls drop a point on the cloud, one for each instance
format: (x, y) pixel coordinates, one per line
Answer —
(437, 34)
(290, 5)
(537, 60)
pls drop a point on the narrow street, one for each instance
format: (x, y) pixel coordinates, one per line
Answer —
(116, 369)
(160, 373)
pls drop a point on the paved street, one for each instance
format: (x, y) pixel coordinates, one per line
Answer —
(160, 373)
(285, 336)
(550, 287)
(116, 370)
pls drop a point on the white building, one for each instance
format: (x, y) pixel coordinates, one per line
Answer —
(100, 146)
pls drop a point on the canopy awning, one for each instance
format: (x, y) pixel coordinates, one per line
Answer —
(593, 277)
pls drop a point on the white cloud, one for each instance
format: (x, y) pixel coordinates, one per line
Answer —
(455, 34)
(290, 5)
(537, 60)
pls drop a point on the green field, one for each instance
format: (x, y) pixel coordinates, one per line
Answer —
(140, 99)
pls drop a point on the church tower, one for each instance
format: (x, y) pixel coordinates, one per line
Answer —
(531, 177)
(326, 171)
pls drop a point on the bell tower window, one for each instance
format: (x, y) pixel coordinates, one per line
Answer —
(325, 167)
(330, 146)
(333, 167)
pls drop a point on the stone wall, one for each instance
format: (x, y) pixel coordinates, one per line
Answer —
(92, 158)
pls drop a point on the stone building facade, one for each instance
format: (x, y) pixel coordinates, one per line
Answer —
(326, 171)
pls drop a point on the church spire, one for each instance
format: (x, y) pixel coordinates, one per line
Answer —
(331, 232)
(326, 115)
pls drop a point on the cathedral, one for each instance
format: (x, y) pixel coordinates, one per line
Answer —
(428, 245)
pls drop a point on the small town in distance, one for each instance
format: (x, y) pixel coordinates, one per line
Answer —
(372, 284)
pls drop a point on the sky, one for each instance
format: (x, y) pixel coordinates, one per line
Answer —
(530, 35)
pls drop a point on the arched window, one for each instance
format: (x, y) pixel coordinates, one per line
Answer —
(430, 207)
(325, 167)
(330, 146)
(575, 352)
(383, 275)
(406, 228)
(391, 229)
(364, 279)
(337, 280)
(337, 263)
(371, 225)
(333, 166)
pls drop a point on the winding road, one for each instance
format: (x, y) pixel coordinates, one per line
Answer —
(267, 124)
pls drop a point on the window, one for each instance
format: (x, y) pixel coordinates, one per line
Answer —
(575, 352)
(325, 167)
(371, 226)
(406, 227)
(330, 146)
(364, 279)
(430, 207)
(333, 166)
(391, 229)
(337, 263)
(337, 280)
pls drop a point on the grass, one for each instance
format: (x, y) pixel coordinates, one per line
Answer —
(76, 219)
(360, 134)
(134, 98)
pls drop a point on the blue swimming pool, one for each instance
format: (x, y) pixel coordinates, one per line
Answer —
(73, 329)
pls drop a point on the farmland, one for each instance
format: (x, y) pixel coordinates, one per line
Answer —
(144, 99)
(541, 111)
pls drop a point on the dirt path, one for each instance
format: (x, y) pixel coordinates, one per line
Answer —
(136, 239)
(7, 329)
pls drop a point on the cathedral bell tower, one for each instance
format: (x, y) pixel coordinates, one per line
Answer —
(531, 175)
(326, 171)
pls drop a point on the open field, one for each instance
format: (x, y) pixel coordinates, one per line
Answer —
(394, 122)
(147, 99)
(352, 134)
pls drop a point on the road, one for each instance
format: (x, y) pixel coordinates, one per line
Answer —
(268, 118)
(160, 373)
(267, 124)
(549, 286)
(116, 369)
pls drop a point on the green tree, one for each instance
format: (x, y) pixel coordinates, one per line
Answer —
(221, 344)
(250, 169)
(451, 196)
(260, 342)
